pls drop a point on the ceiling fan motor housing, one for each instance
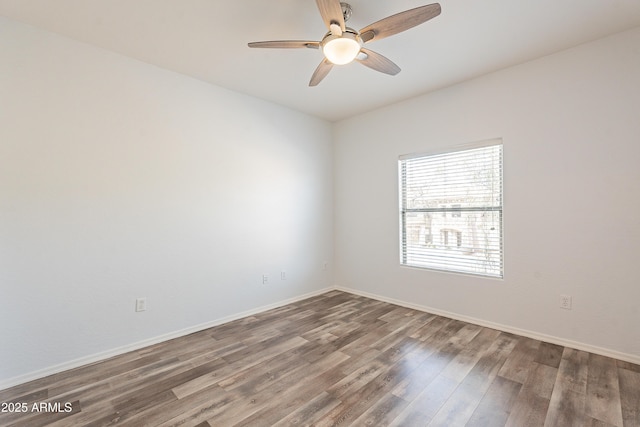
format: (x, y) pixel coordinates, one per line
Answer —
(346, 11)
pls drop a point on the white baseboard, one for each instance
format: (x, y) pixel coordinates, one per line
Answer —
(631, 358)
(97, 357)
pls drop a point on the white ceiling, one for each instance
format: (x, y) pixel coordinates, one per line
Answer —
(207, 39)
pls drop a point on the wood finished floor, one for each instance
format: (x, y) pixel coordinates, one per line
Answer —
(339, 360)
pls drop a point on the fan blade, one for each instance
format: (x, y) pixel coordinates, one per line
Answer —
(399, 22)
(331, 12)
(286, 44)
(378, 62)
(320, 72)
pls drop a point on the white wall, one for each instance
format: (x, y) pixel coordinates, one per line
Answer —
(570, 124)
(120, 180)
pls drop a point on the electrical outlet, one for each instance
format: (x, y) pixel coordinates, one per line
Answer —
(565, 302)
(265, 279)
(141, 304)
(283, 275)
(325, 265)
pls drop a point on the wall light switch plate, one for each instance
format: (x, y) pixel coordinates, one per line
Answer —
(141, 304)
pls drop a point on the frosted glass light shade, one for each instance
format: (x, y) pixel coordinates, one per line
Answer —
(341, 50)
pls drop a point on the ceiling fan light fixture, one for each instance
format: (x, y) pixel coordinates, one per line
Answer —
(341, 50)
(341, 45)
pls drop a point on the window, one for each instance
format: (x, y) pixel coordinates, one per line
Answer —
(451, 210)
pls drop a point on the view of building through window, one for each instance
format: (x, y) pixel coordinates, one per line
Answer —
(451, 210)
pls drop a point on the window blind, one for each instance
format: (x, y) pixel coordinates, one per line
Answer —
(451, 210)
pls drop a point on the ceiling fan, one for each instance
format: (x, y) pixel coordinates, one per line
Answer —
(342, 45)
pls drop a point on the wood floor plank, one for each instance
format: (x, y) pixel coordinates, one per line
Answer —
(426, 405)
(549, 354)
(335, 345)
(397, 334)
(440, 350)
(431, 327)
(629, 397)
(567, 404)
(628, 366)
(383, 412)
(193, 409)
(340, 359)
(354, 405)
(462, 403)
(276, 367)
(532, 403)
(495, 406)
(238, 360)
(469, 354)
(593, 422)
(293, 392)
(365, 342)
(410, 417)
(351, 383)
(517, 366)
(74, 378)
(603, 392)
(30, 397)
(528, 413)
(310, 412)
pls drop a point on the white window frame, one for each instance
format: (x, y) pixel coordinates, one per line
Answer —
(447, 210)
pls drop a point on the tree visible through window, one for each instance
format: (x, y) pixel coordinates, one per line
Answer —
(451, 210)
